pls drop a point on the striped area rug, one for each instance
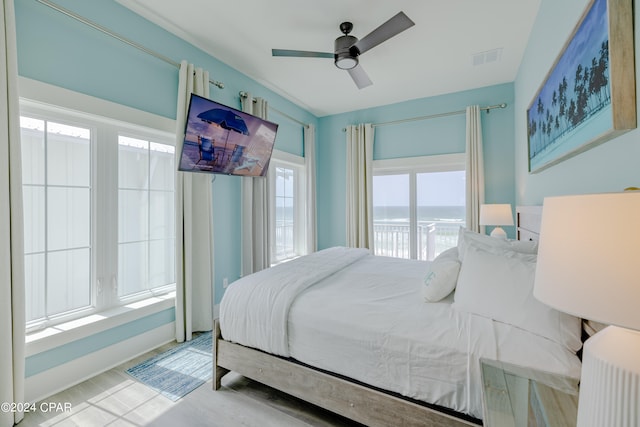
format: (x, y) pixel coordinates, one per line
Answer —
(178, 371)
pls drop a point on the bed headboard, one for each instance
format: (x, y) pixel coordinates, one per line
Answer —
(528, 222)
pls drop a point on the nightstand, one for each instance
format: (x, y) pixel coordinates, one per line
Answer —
(515, 396)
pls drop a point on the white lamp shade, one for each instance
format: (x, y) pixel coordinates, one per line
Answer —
(610, 382)
(496, 214)
(589, 257)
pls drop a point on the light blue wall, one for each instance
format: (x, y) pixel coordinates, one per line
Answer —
(57, 49)
(420, 138)
(611, 166)
(57, 356)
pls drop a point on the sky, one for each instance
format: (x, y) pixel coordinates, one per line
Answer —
(433, 189)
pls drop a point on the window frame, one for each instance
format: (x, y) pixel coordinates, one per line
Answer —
(51, 114)
(298, 165)
(412, 166)
(136, 133)
(103, 229)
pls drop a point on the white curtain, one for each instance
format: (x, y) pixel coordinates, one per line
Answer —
(360, 186)
(474, 169)
(310, 166)
(256, 245)
(194, 224)
(12, 302)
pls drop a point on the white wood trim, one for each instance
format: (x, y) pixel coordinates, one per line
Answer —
(52, 381)
(435, 163)
(61, 334)
(283, 156)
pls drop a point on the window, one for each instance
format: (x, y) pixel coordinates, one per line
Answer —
(56, 161)
(286, 175)
(98, 213)
(418, 205)
(284, 218)
(146, 232)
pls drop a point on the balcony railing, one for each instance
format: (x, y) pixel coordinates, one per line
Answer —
(390, 238)
(284, 241)
(432, 238)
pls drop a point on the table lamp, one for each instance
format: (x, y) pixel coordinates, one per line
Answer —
(496, 214)
(589, 266)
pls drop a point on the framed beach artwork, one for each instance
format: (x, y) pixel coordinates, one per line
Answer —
(588, 96)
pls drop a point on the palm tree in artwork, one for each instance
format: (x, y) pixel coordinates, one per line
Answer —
(568, 110)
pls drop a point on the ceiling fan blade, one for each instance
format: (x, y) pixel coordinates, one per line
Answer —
(384, 32)
(300, 53)
(360, 77)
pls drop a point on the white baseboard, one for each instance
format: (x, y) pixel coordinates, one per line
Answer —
(52, 381)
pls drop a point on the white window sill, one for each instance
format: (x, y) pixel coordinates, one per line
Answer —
(55, 336)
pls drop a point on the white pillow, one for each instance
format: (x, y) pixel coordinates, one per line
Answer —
(500, 287)
(492, 244)
(442, 276)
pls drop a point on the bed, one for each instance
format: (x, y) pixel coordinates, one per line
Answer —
(352, 333)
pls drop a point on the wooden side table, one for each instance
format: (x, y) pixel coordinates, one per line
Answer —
(516, 396)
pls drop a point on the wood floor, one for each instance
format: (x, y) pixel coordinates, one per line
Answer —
(116, 399)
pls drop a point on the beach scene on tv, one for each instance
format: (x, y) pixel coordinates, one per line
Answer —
(220, 139)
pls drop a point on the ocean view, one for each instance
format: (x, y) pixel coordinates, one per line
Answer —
(425, 213)
(436, 230)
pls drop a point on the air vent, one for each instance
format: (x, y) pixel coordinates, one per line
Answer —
(487, 56)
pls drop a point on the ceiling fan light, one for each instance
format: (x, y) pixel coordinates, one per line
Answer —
(345, 61)
(344, 58)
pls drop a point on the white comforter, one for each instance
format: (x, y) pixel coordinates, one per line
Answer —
(364, 318)
(267, 295)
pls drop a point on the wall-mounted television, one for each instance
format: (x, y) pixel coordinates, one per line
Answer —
(221, 139)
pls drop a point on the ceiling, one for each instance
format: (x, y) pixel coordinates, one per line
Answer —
(455, 45)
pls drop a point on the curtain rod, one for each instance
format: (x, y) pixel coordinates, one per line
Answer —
(117, 36)
(243, 94)
(434, 116)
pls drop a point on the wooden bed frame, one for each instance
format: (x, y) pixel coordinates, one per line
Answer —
(355, 401)
(369, 406)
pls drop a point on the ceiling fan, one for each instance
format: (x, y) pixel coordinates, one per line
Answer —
(347, 49)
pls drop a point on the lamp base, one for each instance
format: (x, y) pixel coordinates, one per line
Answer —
(499, 233)
(610, 381)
